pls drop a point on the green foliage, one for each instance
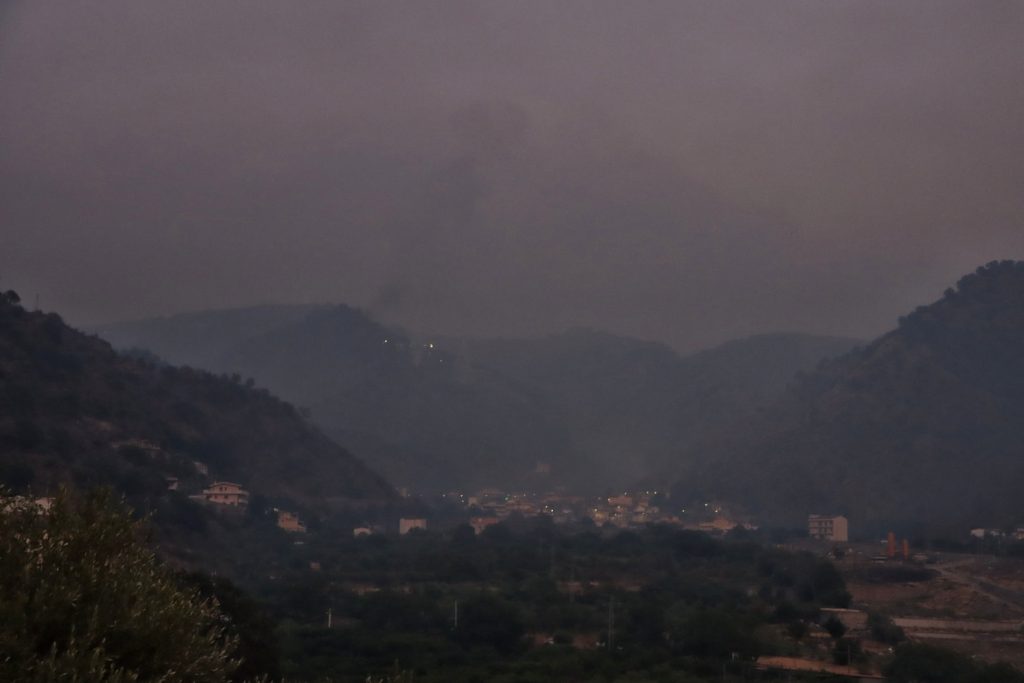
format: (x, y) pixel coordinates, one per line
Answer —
(490, 621)
(82, 599)
(826, 586)
(847, 651)
(713, 633)
(797, 629)
(834, 627)
(678, 602)
(257, 646)
(884, 630)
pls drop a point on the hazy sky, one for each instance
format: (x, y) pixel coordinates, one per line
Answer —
(681, 171)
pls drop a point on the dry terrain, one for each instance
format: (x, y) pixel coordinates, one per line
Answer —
(970, 603)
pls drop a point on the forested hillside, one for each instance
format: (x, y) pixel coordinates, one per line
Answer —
(72, 410)
(599, 409)
(635, 407)
(200, 339)
(923, 425)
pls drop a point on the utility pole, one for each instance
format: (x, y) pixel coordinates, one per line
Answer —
(330, 618)
(611, 622)
(455, 621)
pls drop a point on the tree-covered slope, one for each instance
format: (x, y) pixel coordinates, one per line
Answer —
(600, 409)
(418, 413)
(635, 407)
(924, 425)
(199, 339)
(72, 410)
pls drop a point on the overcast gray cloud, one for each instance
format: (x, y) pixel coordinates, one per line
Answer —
(683, 171)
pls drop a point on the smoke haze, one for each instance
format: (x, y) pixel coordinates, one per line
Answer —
(682, 171)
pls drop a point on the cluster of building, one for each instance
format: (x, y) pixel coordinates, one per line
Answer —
(1016, 535)
(628, 509)
(232, 496)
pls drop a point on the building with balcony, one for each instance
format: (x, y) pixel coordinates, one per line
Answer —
(828, 528)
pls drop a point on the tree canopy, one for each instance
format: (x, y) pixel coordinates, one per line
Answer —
(83, 599)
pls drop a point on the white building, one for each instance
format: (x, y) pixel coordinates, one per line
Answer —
(826, 528)
(226, 493)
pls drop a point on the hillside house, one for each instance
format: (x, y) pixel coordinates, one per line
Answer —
(289, 521)
(718, 525)
(826, 528)
(226, 493)
(405, 525)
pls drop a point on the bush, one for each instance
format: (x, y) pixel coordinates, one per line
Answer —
(835, 627)
(81, 599)
(847, 652)
(710, 633)
(884, 630)
(490, 621)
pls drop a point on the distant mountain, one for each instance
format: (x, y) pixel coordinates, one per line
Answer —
(199, 339)
(600, 410)
(634, 407)
(419, 414)
(924, 426)
(72, 410)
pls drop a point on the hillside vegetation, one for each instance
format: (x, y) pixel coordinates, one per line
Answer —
(72, 410)
(599, 409)
(925, 424)
(633, 407)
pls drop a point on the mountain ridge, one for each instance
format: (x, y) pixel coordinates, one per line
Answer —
(447, 412)
(75, 411)
(924, 425)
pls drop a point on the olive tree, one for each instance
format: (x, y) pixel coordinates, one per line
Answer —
(82, 599)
